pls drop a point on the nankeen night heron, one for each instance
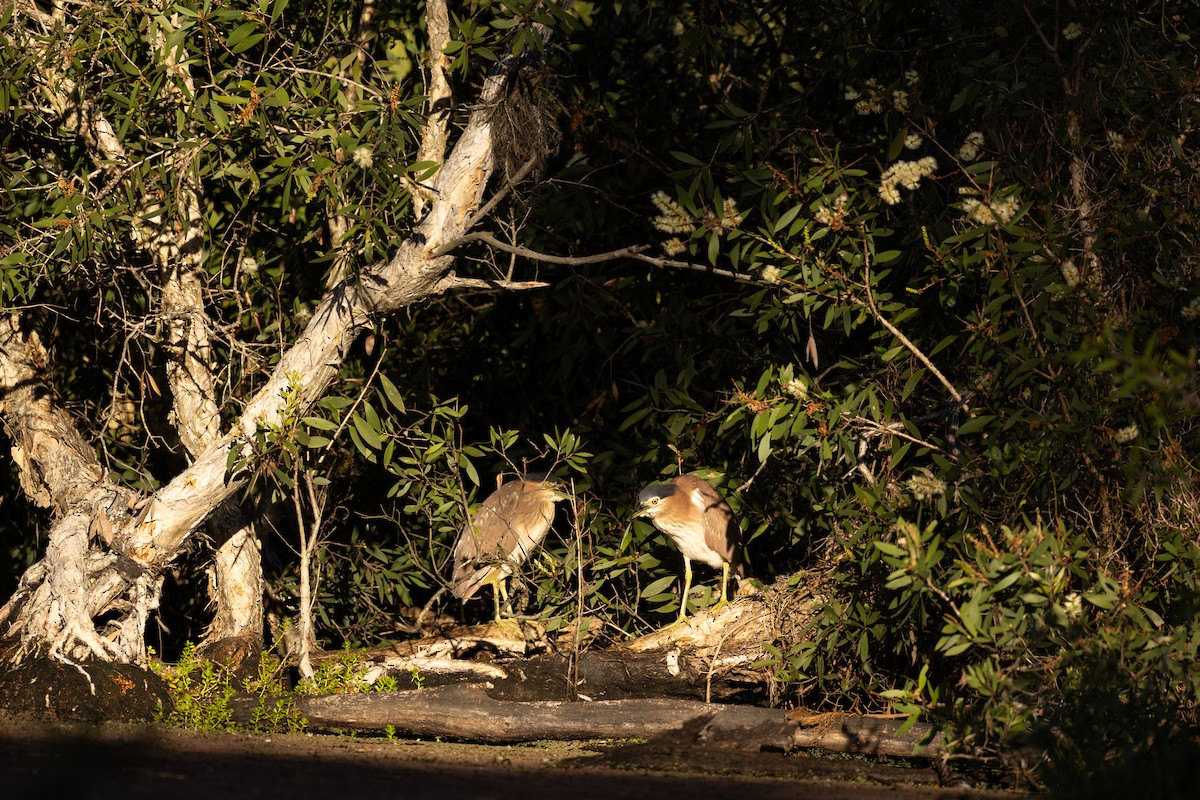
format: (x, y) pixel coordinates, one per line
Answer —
(497, 539)
(697, 518)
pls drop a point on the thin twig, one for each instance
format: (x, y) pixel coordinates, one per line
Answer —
(455, 282)
(891, 429)
(534, 255)
(634, 252)
(750, 480)
(904, 340)
(487, 207)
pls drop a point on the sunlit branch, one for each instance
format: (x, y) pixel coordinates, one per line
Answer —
(634, 252)
(904, 340)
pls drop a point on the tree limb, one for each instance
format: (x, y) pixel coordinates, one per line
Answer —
(416, 271)
(633, 252)
(440, 99)
(56, 466)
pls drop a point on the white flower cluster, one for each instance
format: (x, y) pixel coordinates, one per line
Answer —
(911, 77)
(1115, 140)
(673, 246)
(926, 486)
(364, 157)
(913, 141)
(1127, 434)
(796, 387)
(869, 103)
(672, 217)
(1072, 32)
(971, 147)
(1070, 272)
(249, 266)
(904, 173)
(990, 212)
(900, 100)
(1192, 310)
(770, 274)
(728, 220)
(1073, 606)
(828, 215)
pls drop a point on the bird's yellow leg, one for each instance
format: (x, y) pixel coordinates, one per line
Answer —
(687, 589)
(724, 586)
(500, 594)
(510, 628)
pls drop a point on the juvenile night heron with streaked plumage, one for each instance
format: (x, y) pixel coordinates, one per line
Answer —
(509, 525)
(696, 517)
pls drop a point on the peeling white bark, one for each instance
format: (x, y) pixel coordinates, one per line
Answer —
(178, 509)
(436, 135)
(57, 467)
(58, 597)
(180, 252)
(308, 367)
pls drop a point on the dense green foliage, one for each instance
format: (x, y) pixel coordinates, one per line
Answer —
(925, 309)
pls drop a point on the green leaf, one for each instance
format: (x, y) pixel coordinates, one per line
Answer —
(391, 393)
(887, 548)
(687, 159)
(469, 468)
(975, 424)
(244, 37)
(370, 435)
(785, 219)
(658, 587)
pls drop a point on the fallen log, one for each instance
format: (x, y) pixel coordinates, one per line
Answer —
(468, 712)
(465, 711)
(655, 685)
(713, 656)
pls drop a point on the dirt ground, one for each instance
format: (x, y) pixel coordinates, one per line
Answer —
(70, 732)
(134, 761)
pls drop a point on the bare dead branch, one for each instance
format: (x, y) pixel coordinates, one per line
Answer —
(633, 252)
(453, 281)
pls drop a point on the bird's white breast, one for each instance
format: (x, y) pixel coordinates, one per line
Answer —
(690, 541)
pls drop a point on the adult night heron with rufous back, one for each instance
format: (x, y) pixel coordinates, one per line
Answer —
(694, 514)
(497, 538)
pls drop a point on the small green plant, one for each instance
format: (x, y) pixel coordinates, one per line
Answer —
(344, 675)
(202, 693)
(276, 710)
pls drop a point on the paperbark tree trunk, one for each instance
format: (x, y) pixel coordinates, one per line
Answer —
(107, 549)
(178, 246)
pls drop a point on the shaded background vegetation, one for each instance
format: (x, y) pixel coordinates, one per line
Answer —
(968, 401)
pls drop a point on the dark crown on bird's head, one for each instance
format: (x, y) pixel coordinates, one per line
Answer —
(660, 492)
